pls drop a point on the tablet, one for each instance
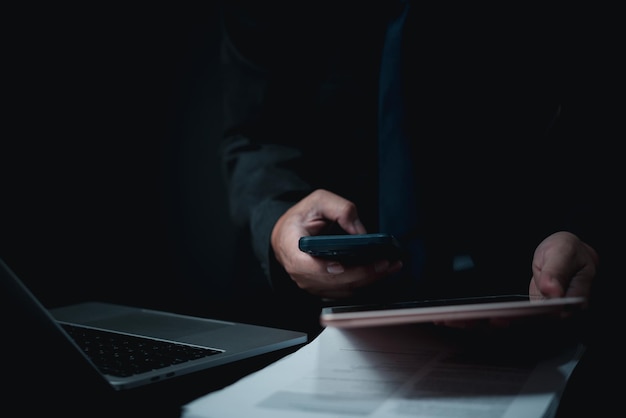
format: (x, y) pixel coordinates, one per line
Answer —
(432, 310)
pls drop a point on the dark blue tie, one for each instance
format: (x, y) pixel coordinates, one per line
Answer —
(397, 192)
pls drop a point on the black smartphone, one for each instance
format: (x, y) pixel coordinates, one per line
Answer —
(352, 249)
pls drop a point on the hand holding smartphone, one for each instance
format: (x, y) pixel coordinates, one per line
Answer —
(352, 249)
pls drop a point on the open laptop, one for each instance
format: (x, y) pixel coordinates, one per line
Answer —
(57, 364)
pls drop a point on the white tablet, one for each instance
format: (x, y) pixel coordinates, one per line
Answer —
(432, 310)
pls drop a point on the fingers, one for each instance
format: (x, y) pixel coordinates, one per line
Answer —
(329, 207)
(334, 280)
(311, 216)
(562, 266)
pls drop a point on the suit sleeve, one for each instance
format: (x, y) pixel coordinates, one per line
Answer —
(257, 159)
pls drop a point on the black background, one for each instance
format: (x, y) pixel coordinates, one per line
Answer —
(111, 186)
(110, 183)
(110, 178)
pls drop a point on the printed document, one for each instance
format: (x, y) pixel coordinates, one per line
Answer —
(415, 370)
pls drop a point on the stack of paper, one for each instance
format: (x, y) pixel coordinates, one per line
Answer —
(400, 371)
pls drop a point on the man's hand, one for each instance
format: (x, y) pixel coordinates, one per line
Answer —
(563, 265)
(328, 279)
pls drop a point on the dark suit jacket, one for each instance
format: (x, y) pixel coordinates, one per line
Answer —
(498, 117)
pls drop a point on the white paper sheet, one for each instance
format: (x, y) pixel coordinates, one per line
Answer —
(398, 371)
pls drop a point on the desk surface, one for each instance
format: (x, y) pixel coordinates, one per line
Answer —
(589, 391)
(592, 390)
(165, 399)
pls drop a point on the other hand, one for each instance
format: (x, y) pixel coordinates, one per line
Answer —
(563, 265)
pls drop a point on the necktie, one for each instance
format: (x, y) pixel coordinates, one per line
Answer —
(397, 192)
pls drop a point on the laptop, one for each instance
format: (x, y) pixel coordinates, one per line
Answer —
(58, 366)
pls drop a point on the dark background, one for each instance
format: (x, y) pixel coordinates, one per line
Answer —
(111, 186)
(110, 177)
(109, 174)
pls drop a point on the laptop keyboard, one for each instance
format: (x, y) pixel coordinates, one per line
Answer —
(126, 355)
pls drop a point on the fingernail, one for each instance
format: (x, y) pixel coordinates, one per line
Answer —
(334, 268)
(359, 225)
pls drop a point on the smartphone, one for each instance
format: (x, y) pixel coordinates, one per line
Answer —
(352, 249)
(484, 307)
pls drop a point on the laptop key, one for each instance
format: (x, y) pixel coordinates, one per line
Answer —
(125, 355)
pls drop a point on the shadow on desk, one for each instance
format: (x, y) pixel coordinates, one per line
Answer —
(589, 392)
(165, 399)
(592, 390)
